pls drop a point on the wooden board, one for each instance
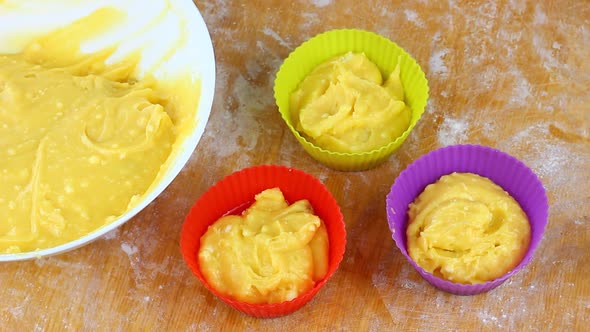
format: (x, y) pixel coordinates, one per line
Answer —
(514, 75)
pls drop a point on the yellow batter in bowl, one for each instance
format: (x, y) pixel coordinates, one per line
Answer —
(81, 140)
(466, 229)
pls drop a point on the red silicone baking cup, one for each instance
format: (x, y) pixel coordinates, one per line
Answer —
(233, 194)
(504, 170)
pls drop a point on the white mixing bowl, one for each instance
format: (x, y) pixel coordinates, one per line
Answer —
(154, 28)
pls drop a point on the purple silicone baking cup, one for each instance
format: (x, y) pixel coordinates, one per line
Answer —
(504, 170)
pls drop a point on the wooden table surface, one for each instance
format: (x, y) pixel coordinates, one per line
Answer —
(513, 75)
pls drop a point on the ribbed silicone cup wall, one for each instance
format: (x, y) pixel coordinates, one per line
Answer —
(233, 194)
(380, 50)
(506, 171)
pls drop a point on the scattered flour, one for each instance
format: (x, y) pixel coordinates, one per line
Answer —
(488, 318)
(17, 312)
(112, 234)
(412, 16)
(405, 281)
(540, 16)
(548, 157)
(453, 131)
(488, 130)
(517, 6)
(129, 249)
(311, 19)
(488, 77)
(437, 65)
(546, 54)
(270, 32)
(521, 92)
(203, 326)
(321, 3)
(250, 96)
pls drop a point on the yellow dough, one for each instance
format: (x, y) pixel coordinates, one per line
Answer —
(80, 141)
(272, 253)
(466, 229)
(344, 105)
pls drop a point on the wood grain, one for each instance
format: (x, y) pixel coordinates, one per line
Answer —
(513, 75)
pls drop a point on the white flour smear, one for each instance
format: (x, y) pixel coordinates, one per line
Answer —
(453, 131)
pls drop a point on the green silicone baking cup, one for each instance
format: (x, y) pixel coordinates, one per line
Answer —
(381, 51)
